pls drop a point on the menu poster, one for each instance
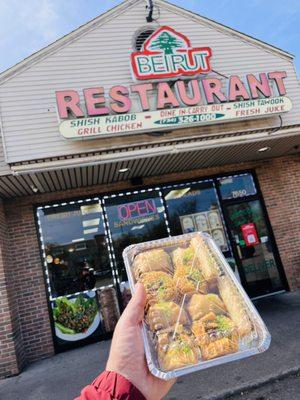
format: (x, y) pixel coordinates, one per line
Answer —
(219, 238)
(201, 222)
(214, 219)
(187, 224)
(209, 222)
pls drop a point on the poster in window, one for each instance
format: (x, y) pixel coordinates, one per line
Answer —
(187, 224)
(109, 308)
(76, 319)
(214, 219)
(201, 222)
(219, 238)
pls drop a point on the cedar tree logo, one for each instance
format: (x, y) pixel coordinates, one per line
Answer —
(168, 54)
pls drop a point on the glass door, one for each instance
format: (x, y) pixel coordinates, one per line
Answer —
(254, 247)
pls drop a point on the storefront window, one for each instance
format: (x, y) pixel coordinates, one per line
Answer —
(76, 253)
(83, 241)
(134, 218)
(234, 187)
(194, 207)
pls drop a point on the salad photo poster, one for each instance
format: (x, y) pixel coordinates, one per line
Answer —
(76, 320)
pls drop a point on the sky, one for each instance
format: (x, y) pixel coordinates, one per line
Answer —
(27, 26)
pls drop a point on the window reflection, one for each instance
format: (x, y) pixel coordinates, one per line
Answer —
(75, 246)
(194, 208)
(234, 187)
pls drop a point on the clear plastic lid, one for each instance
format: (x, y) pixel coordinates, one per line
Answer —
(197, 315)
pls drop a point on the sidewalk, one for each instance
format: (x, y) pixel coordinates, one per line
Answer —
(61, 377)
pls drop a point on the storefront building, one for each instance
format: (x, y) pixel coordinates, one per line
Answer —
(132, 129)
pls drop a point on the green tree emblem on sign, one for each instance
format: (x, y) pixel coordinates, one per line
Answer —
(166, 43)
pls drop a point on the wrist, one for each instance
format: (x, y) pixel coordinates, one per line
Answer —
(118, 385)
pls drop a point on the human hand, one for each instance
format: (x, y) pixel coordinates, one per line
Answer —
(127, 355)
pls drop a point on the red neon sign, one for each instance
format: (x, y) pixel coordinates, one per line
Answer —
(137, 209)
(169, 54)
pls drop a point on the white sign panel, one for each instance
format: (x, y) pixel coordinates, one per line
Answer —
(175, 118)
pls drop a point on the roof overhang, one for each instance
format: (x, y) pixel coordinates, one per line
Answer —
(155, 160)
(160, 149)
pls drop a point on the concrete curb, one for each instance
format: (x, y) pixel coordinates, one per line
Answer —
(254, 385)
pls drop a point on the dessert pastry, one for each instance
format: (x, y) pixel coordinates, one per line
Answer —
(164, 315)
(187, 273)
(177, 352)
(185, 257)
(216, 336)
(235, 306)
(159, 287)
(219, 348)
(150, 261)
(200, 305)
(209, 266)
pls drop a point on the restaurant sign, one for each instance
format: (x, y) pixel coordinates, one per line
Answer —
(169, 54)
(195, 99)
(173, 118)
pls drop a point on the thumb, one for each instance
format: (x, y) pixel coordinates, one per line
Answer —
(134, 312)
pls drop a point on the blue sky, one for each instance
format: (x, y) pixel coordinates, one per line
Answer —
(27, 26)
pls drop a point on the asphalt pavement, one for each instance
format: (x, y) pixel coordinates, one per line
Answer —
(281, 389)
(62, 377)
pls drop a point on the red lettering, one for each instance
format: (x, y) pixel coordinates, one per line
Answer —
(278, 78)
(120, 95)
(213, 89)
(260, 85)
(142, 91)
(94, 99)
(132, 209)
(237, 89)
(193, 88)
(121, 213)
(142, 208)
(165, 96)
(151, 207)
(68, 101)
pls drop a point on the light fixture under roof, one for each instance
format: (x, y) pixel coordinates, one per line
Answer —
(177, 194)
(34, 188)
(123, 170)
(264, 149)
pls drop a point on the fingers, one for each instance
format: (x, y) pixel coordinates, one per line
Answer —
(134, 312)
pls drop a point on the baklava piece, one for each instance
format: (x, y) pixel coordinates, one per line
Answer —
(219, 348)
(151, 261)
(187, 273)
(235, 306)
(177, 351)
(209, 266)
(216, 336)
(165, 315)
(200, 305)
(159, 287)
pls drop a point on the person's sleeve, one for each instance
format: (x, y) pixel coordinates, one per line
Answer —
(111, 386)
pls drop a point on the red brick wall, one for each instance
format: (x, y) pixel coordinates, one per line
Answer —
(280, 184)
(11, 350)
(28, 280)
